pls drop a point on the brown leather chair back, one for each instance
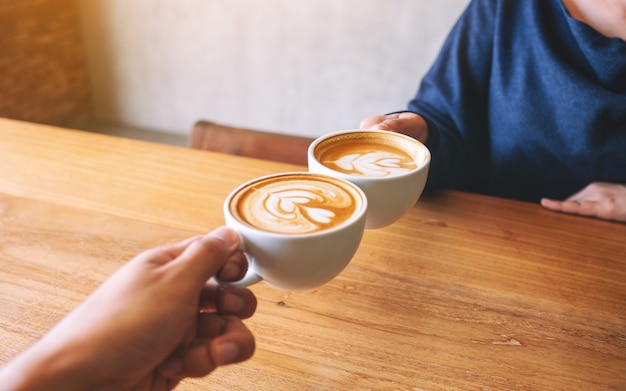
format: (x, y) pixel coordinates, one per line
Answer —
(251, 143)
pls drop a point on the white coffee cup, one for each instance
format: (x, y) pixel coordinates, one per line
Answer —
(298, 230)
(390, 168)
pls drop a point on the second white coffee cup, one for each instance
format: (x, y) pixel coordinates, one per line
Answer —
(389, 167)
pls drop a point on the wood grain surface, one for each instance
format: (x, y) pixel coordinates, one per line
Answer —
(465, 292)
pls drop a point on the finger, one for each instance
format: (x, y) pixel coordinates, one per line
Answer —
(585, 208)
(205, 256)
(235, 344)
(164, 254)
(234, 269)
(554, 205)
(237, 301)
(405, 123)
(195, 361)
(370, 122)
(381, 122)
(228, 301)
(210, 325)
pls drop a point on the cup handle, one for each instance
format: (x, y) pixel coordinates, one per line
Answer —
(251, 276)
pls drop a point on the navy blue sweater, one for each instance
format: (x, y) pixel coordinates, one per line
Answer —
(525, 102)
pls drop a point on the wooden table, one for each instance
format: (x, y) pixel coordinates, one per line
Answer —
(465, 292)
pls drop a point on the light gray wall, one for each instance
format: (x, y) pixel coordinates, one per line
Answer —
(294, 66)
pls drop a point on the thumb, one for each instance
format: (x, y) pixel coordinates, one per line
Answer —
(408, 123)
(205, 256)
(372, 122)
(397, 122)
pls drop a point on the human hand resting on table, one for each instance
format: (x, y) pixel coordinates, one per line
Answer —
(603, 200)
(154, 322)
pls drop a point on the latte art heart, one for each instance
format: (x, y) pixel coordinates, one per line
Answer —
(295, 204)
(368, 154)
(373, 164)
(301, 210)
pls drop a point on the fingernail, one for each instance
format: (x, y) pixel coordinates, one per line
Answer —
(227, 353)
(233, 303)
(228, 235)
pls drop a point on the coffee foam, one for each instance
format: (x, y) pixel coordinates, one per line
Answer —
(368, 154)
(296, 203)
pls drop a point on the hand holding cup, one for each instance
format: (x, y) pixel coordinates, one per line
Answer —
(390, 168)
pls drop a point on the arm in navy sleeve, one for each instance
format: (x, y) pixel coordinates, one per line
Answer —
(452, 98)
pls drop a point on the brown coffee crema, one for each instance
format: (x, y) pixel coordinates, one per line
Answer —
(296, 203)
(368, 154)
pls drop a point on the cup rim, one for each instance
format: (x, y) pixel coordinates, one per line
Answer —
(422, 166)
(359, 215)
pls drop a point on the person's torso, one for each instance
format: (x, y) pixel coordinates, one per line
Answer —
(557, 103)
